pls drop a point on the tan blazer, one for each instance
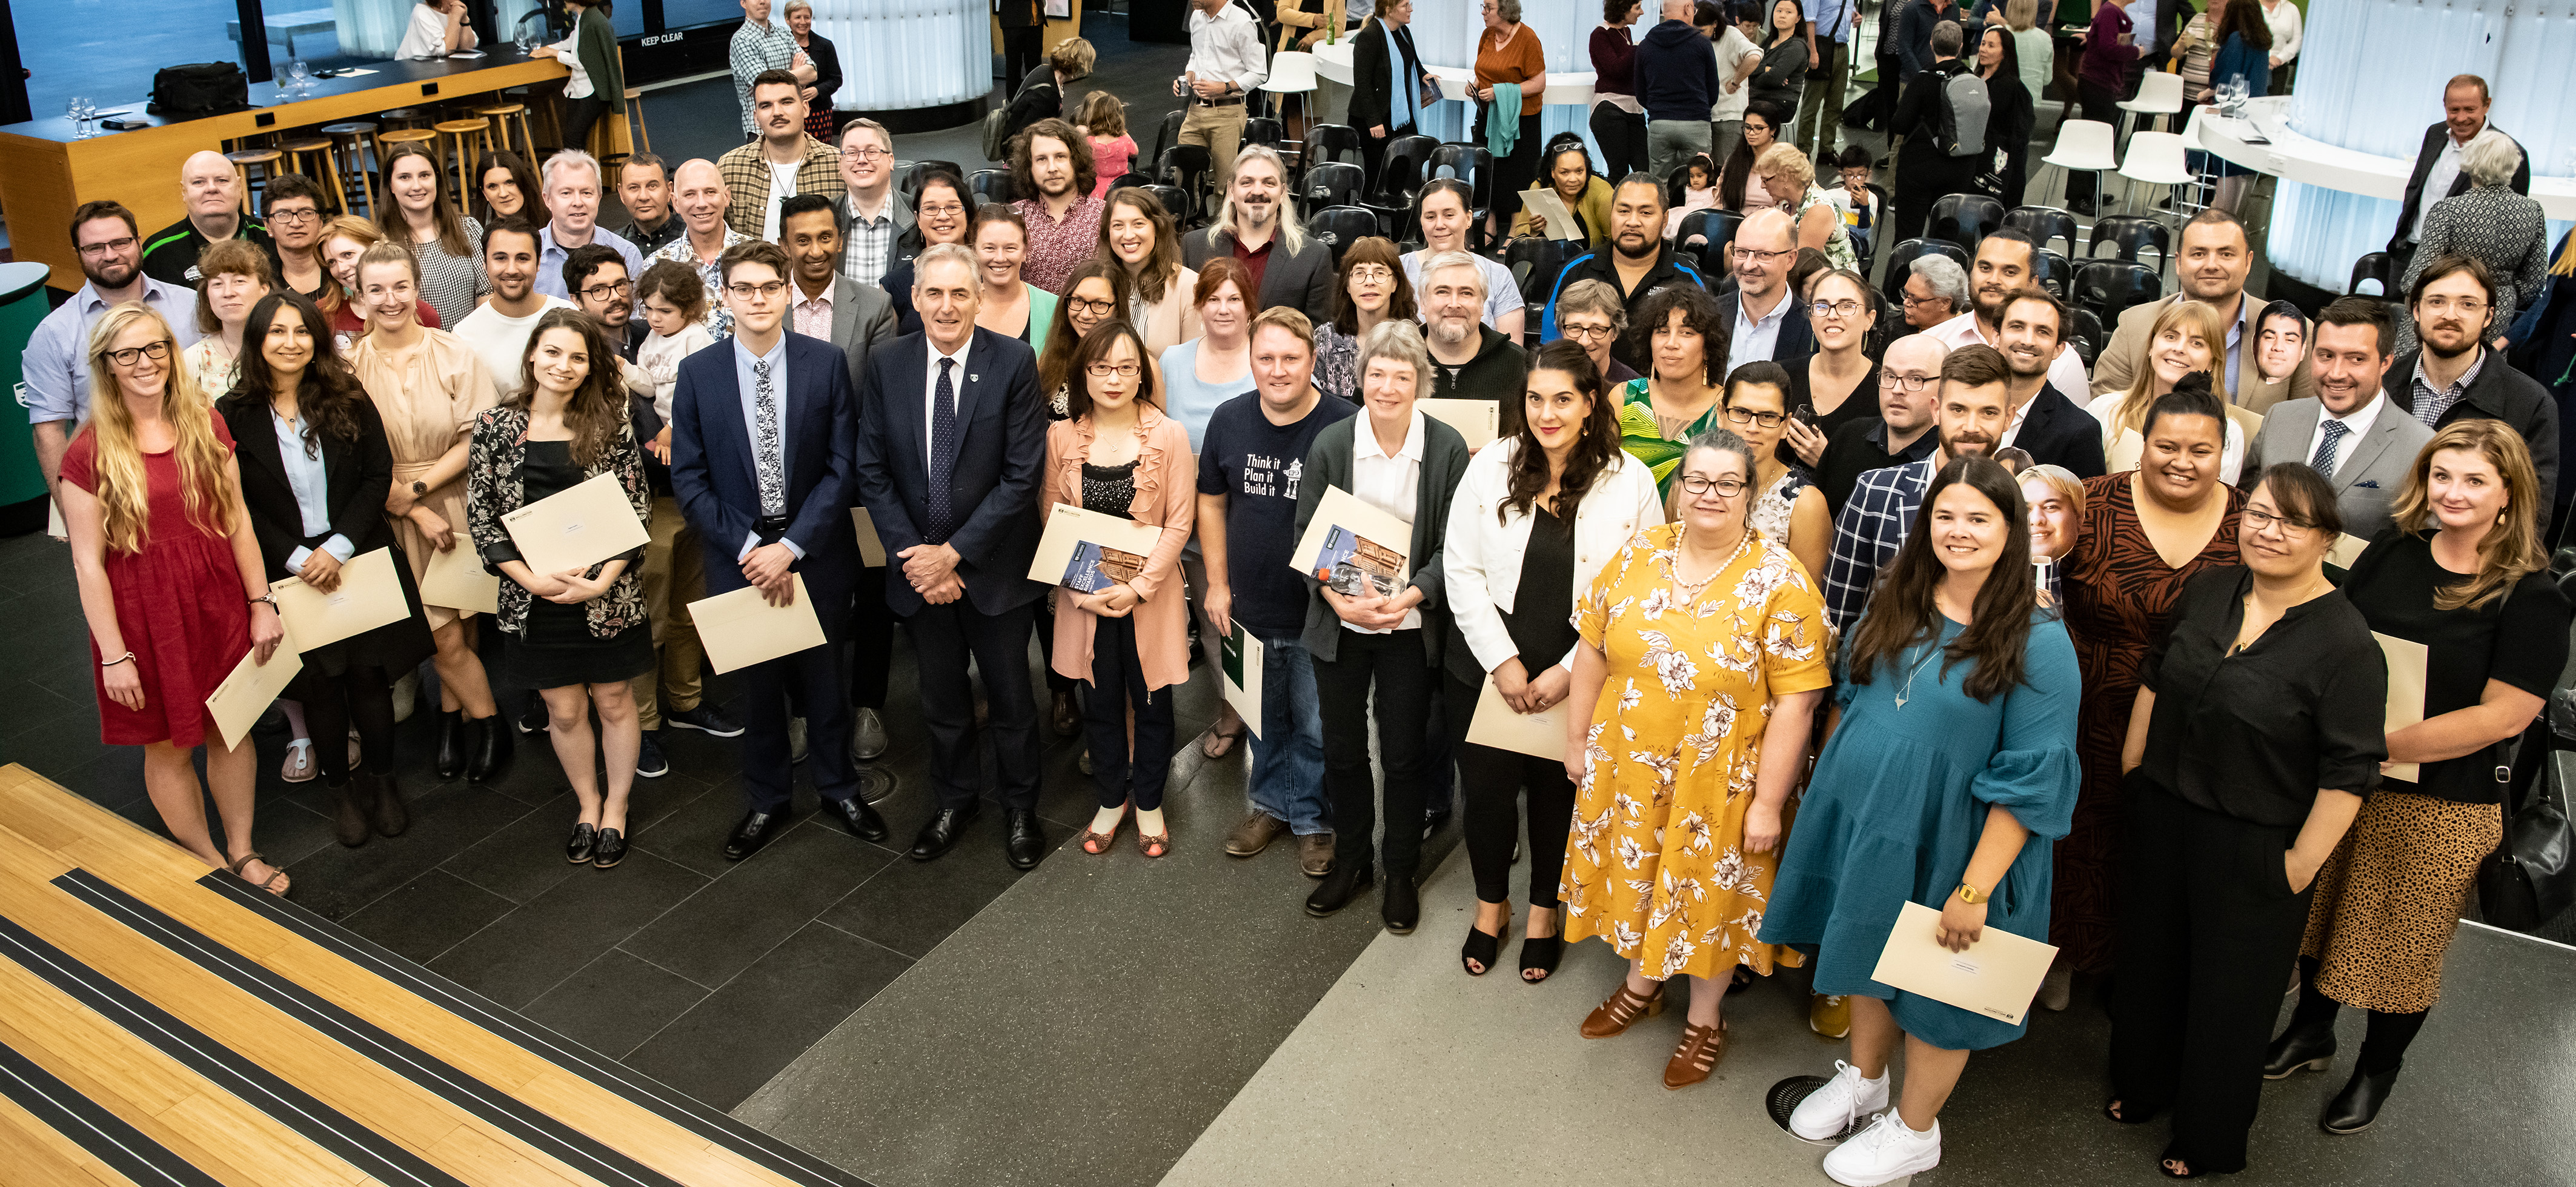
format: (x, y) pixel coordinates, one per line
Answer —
(2119, 363)
(1174, 319)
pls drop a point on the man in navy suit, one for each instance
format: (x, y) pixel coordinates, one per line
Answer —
(761, 425)
(951, 439)
(2046, 422)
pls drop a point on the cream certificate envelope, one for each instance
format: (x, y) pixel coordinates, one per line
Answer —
(1479, 421)
(1497, 724)
(1997, 976)
(741, 628)
(872, 551)
(1242, 656)
(455, 579)
(1353, 547)
(1089, 551)
(1550, 206)
(575, 529)
(2406, 660)
(369, 596)
(54, 525)
(247, 693)
(2347, 549)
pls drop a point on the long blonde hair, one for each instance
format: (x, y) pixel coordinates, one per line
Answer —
(2132, 416)
(123, 490)
(2512, 548)
(2565, 264)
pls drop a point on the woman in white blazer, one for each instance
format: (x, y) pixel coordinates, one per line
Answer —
(1536, 517)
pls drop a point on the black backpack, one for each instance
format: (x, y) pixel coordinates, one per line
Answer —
(201, 88)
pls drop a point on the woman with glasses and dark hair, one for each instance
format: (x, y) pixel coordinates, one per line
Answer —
(1683, 338)
(1373, 289)
(1839, 383)
(1094, 296)
(1787, 508)
(2257, 730)
(1586, 196)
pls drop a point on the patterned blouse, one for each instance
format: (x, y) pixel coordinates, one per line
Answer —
(493, 489)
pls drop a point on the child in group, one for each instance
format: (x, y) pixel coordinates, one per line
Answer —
(674, 301)
(1699, 192)
(1113, 152)
(1854, 201)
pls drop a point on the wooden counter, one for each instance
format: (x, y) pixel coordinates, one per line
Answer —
(45, 173)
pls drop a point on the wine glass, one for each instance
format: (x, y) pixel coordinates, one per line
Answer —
(84, 109)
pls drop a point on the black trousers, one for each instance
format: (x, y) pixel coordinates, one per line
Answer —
(1514, 173)
(361, 697)
(944, 638)
(806, 684)
(2101, 104)
(1492, 782)
(579, 115)
(871, 638)
(1022, 50)
(1373, 151)
(2207, 924)
(1393, 663)
(1118, 682)
(1622, 137)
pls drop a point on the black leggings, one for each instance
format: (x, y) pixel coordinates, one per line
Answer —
(362, 697)
(2383, 1047)
(1491, 782)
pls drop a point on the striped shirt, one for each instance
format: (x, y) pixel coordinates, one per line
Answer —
(1867, 534)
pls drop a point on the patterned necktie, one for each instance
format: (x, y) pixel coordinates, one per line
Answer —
(943, 454)
(765, 453)
(2324, 462)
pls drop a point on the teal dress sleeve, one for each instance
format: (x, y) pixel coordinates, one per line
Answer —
(2034, 773)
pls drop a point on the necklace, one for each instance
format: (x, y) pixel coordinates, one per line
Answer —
(1907, 693)
(1692, 589)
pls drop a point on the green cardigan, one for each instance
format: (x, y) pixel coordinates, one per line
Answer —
(1328, 464)
(597, 49)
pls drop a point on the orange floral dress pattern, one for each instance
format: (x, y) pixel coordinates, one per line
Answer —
(1655, 863)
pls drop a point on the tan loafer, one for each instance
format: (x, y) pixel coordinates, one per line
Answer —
(1255, 834)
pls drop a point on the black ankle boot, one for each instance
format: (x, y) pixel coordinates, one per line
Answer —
(451, 744)
(1336, 890)
(2300, 1049)
(348, 815)
(492, 742)
(390, 816)
(2353, 1109)
(1401, 904)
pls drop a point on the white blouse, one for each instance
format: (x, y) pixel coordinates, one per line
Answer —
(1481, 559)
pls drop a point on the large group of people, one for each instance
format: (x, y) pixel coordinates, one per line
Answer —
(1720, 531)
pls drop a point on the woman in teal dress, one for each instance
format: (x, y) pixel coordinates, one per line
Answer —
(1948, 773)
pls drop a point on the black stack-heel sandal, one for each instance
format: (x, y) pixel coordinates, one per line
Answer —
(1486, 950)
(1539, 954)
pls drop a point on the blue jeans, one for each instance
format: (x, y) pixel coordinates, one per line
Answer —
(1288, 753)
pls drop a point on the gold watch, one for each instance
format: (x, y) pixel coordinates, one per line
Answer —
(1968, 894)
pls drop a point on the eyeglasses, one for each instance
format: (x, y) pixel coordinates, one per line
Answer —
(1911, 383)
(602, 292)
(294, 217)
(1377, 272)
(1087, 305)
(1746, 255)
(940, 208)
(2468, 306)
(2263, 519)
(1837, 310)
(155, 351)
(1746, 416)
(91, 251)
(1587, 330)
(1105, 370)
(1911, 300)
(870, 153)
(1726, 488)
(748, 291)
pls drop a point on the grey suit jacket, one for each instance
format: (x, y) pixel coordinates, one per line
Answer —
(862, 318)
(2367, 472)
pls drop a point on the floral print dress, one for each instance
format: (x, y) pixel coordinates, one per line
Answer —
(1655, 863)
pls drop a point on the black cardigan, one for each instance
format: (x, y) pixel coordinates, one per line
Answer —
(1373, 73)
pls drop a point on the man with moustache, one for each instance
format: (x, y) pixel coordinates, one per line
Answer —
(2453, 377)
(1051, 171)
(572, 185)
(1768, 326)
(498, 330)
(1640, 260)
(1469, 359)
(2005, 260)
(2046, 423)
(2347, 433)
(2212, 265)
(1258, 225)
(55, 375)
(644, 189)
(1873, 525)
(785, 161)
(1909, 386)
(874, 221)
(698, 192)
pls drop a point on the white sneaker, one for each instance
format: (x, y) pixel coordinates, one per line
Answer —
(1846, 1098)
(1886, 1151)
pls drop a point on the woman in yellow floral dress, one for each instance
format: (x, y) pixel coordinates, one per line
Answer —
(1704, 660)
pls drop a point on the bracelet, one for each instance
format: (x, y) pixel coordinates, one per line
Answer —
(118, 660)
(270, 597)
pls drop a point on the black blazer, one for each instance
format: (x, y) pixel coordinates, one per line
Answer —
(1797, 339)
(1375, 50)
(827, 69)
(1303, 282)
(357, 475)
(2059, 433)
(712, 472)
(2424, 157)
(2498, 393)
(1001, 450)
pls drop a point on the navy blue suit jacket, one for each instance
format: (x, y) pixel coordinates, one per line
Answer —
(993, 487)
(711, 463)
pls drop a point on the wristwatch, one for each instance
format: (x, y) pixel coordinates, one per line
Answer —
(1968, 894)
(419, 488)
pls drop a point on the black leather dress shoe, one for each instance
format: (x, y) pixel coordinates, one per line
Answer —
(757, 829)
(1024, 842)
(1401, 904)
(2353, 1109)
(2299, 1050)
(855, 815)
(939, 834)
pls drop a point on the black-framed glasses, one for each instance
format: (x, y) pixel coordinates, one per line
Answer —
(1726, 487)
(602, 292)
(1837, 310)
(748, 291)
(1911, 383)
(294, 217)
(1121, 370)
(1087, 305)
(1746, 416)
(95, 250)
(2263, 519)
(1587, 330)
(155, 351)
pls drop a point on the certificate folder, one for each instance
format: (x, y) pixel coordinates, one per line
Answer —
(369, 596)
(1479, 421)
(1997, 976)
(741, 628)
(1353, 547)
(1497, 724)
(1242, 654)
(456, 579)
(2406, 660)
(572, 530)
(1089, 551)
(872, 551)
(238, 702)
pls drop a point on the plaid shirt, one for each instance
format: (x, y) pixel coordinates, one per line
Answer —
(2431, 404)
(1058, 246)
(719, 319)
(746, 178)
(868, 242)
(1867, 534)
(756, 48)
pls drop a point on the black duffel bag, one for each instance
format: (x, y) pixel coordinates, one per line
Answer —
(199, 88)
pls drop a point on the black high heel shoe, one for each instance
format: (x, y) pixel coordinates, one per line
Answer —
(610, 850)
(1484, 949)
(583, 845)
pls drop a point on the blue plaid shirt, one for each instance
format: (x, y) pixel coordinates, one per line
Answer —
(1867, 534)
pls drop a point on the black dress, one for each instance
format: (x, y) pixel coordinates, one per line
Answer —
(557, 649)
(1861, 404)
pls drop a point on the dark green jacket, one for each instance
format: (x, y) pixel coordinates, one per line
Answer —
(597, 50)
(1328, 465)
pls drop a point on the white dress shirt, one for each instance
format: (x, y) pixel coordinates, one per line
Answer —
(2358, 421)
(1389, 483)
(1755, 339)
(2066, 371)
(2437, 184)
(930, 387)
(1227, 46)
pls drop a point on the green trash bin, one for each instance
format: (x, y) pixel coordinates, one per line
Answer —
(22, 485)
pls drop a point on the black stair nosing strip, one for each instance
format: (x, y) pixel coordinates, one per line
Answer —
(345, 1137)
(634, 1087)
(88, 1124)
(539, 1130)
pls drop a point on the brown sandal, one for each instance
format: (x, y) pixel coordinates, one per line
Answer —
(1621, 1008)
(277, 880)
(1701, 1048)
(1151, 845)
(1096, 844)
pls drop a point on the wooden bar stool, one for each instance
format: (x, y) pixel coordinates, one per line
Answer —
(265, 160)
(352, 137)
(502, 116)
(406, 117)
(635, 119)
(544, 110)
(304, 151)
(462, 137)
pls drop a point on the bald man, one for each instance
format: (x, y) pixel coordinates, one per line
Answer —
(698, 192)
(1762, 313)
(212, 193)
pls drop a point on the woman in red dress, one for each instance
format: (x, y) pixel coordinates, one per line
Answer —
(170, 579)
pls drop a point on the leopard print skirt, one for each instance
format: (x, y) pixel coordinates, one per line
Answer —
(2388, 901)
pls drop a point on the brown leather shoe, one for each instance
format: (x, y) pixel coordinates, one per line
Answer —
(1315, 854)
(1621, 1008)
(1255, 834)
(1701, 1048)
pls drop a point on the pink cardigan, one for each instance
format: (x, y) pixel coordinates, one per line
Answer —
(1167, 496)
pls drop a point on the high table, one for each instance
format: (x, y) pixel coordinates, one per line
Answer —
(46, 172)
(2295, 157)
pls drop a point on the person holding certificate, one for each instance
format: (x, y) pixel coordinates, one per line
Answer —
(1119, 455)
(2257, 730)
(1957, 712)
(1408, 465)
(1536, 517)
(314, 471)
(427, 386)
(577, 637)
(2464, 573)
(1702, 661)
(152, 497)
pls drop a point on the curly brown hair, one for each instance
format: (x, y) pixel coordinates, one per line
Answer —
(598, 406)
(1699, 312)
(1085, 174)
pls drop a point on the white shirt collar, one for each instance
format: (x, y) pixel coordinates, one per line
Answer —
(1364, 442)
(2359, 419)
(959, 358)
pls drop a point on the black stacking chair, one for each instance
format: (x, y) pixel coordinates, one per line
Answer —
(2054, 272)
(910, 183)
(1341, 226)
(1964, 219)
(2378, 266)
(2130, 235)
(2109, 287)
(990, 185)
(2083, 333)
(2044, 224)
(1900, 261)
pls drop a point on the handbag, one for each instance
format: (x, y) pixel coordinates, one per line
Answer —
(2531, 876)
(198, 89)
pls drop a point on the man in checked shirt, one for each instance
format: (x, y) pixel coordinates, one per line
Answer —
(1976, 399)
